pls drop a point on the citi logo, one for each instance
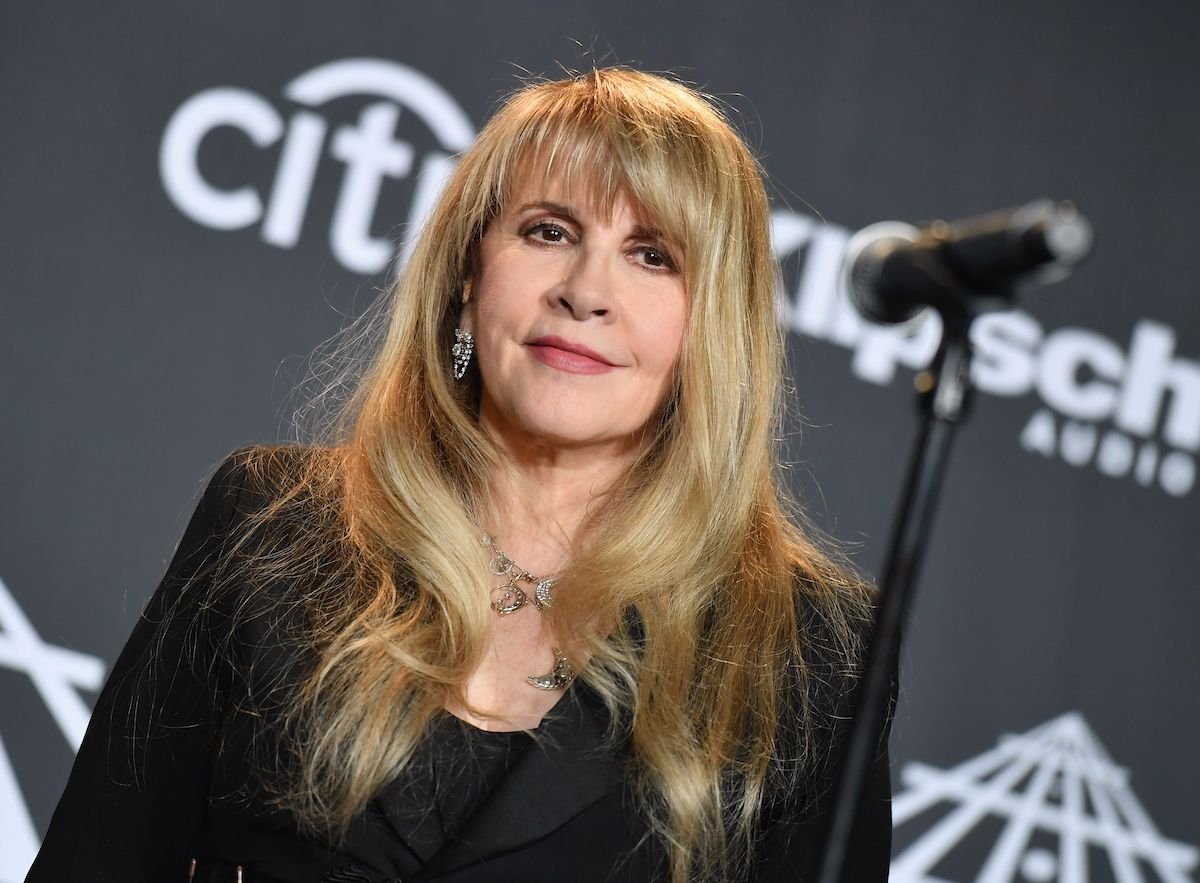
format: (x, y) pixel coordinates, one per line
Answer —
(1126, 411)
(1047, 805)
(370, 150)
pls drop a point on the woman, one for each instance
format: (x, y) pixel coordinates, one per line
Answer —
(535, 611)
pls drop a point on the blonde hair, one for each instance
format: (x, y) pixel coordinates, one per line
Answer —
(714, 594)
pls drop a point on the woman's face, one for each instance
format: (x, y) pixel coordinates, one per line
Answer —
(578, 322)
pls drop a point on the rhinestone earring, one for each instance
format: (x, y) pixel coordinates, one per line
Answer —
(464, 346)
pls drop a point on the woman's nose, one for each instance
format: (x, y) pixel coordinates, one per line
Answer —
(588, 289)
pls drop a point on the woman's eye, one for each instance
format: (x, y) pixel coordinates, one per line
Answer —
(655, 258)
(548, 233)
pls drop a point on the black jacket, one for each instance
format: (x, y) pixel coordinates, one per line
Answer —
(143, 800)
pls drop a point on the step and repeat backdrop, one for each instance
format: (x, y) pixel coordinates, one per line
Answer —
(196, 196)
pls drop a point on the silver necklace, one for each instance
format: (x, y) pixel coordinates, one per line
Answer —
(509, 597)
(512, 597)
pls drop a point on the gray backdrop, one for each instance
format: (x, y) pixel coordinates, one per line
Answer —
(196, 195)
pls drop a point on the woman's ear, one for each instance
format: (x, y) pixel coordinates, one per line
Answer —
(466, 318)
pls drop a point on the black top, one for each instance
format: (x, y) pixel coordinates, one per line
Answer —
(164, 776)
(465, 763)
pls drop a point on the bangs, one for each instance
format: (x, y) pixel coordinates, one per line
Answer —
(604, 139)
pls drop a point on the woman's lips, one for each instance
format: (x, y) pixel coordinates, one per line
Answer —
(569, 356)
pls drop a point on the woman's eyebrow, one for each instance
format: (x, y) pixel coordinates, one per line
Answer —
(554, 208)
(640, 231)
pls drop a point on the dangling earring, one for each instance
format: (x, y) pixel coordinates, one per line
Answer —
(464, 345)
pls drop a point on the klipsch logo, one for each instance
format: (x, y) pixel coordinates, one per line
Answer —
(1129, 410)
(1048, 805)
(369, 149)
(57, 674)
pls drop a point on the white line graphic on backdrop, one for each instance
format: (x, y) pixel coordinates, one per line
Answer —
(57, 673)
(1058, 779)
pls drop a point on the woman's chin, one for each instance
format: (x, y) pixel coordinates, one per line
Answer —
(542, 436)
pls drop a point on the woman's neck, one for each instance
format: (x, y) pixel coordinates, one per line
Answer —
(541, 497)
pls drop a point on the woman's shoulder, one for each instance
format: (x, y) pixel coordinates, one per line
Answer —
(273, 546)
(835, 617)
(265, 471)
(835, 622)
(257, 483)
(258, 520)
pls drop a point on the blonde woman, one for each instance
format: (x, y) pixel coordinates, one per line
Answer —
(535, 610)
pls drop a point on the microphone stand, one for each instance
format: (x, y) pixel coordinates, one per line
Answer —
(943, 391)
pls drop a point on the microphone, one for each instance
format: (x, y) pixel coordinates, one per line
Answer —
(893, 270)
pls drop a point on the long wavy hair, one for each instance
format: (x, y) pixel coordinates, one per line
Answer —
(708, 588)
